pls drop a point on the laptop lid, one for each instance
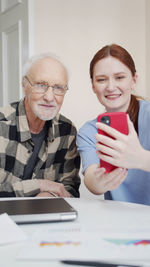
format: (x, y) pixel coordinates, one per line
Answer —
(37, 210)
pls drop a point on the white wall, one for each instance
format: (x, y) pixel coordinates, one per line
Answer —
(75, 30)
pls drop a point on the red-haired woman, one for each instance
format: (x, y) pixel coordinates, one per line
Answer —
(113, 76)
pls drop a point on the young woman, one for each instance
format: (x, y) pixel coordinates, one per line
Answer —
(113, 77)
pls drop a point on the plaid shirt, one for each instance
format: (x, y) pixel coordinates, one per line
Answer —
(58, 159)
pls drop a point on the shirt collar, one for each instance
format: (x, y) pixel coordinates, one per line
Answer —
(22, 123)
(52, 133)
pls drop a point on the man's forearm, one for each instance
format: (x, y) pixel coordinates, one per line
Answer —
(11, 186)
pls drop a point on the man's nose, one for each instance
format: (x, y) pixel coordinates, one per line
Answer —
(49, 95)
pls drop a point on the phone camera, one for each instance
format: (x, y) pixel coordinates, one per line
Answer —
(106, 120)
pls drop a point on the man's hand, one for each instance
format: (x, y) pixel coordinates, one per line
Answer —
(51, 187)
(45, 194)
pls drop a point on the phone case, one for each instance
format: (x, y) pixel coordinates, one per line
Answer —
(118, 121)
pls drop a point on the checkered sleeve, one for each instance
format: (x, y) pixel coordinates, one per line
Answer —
(58, 159)
(64, 158)
(11, 164)
(70, 177)
(11, 186)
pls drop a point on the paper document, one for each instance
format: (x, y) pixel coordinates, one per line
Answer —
(10, 231)
(60, 242)
(71, 241)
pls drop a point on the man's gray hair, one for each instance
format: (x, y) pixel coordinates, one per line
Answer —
(36, 58)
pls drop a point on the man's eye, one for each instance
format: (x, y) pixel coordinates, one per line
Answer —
(58, 87)
(42, 86)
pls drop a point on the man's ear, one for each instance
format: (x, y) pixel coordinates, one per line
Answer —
(24, 85)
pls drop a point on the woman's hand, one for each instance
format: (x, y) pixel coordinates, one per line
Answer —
(121, 150)
(99, 182)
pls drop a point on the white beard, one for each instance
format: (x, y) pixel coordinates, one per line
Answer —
(45, 117)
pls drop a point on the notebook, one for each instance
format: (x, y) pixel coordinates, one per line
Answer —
(37, 210)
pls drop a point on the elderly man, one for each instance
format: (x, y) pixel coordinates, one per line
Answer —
(38, 154)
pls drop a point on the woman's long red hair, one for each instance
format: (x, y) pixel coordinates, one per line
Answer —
(122, 55)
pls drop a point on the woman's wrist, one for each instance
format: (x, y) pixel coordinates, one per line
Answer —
(144, 163)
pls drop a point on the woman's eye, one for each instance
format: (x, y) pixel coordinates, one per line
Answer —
(119, 77)
(101, 80)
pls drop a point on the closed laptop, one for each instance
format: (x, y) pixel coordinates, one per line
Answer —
(37, 210)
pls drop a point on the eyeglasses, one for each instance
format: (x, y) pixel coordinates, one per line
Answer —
(41, 88)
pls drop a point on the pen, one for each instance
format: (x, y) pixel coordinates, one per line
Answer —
(95, 263)
(53, 194)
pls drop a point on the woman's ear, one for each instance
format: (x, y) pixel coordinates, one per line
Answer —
(135, 78)
(93, 87)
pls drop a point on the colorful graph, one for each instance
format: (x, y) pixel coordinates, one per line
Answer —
(59, 244)
(127, 242)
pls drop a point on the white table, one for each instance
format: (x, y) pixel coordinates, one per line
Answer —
(105, 215)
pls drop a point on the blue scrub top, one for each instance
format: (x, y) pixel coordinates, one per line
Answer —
(136, 187)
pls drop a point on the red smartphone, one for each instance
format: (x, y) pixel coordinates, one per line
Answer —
(118, 121)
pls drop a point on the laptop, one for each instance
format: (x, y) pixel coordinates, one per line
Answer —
(38, 210)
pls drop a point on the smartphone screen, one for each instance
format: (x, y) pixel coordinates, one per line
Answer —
(118, 121)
